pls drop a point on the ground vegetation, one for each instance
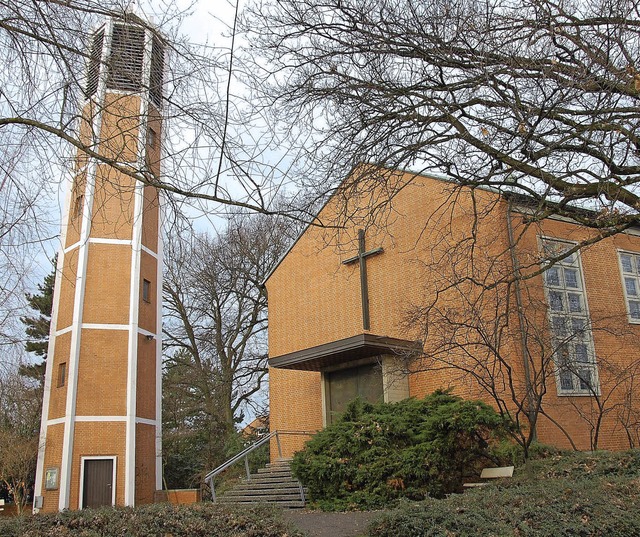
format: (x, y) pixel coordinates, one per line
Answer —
(202, 520)
(413, 449)
(561, 494)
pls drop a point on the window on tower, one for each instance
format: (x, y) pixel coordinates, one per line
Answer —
(62, 374)
(125, 62)
(77, 206)
(156, 75)
(151, 138)
(146, 290)
(93, 70)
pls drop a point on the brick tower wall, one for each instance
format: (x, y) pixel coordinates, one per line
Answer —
(102, 387)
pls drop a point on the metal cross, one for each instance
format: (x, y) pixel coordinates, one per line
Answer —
(361, 258)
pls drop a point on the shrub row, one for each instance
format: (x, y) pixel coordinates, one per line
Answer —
(159, 520)
(579, 494)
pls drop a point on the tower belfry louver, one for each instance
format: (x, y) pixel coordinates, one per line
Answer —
(101, 425)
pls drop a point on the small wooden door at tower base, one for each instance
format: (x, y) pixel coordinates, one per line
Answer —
(345, 385)
(97, 489)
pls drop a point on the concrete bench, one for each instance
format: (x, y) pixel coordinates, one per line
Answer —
(491, 473)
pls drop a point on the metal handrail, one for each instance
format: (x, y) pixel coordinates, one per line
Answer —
(245, 453)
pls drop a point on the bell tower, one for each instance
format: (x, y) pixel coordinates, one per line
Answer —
(100, 439)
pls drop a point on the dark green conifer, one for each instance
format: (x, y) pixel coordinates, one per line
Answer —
(37, 326)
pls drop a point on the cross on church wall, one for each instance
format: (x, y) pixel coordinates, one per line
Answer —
(361, 259)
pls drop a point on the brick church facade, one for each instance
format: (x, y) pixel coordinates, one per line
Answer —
(397, 296)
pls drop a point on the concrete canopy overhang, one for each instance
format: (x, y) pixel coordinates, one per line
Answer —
(346, 350)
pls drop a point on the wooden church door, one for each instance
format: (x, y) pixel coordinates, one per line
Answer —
(97, 489)
(345, 385)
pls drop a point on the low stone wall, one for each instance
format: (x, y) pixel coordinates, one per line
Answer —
(179, 496)
(11, 509)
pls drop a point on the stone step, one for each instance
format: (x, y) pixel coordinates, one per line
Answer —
(279, 463)
(298, 504)
(271, 498)
(262, 492)
(272, 484)
(268, 478)
(270, 475)
(267, 496)
(267, 486)
(274, 469)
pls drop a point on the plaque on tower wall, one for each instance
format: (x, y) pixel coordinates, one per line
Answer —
(51, 479)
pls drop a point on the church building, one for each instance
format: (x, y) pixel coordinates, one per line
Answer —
(406, 283)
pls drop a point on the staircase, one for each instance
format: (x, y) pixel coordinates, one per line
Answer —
(273, 484)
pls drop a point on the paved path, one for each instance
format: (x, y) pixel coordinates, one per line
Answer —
(319, 524)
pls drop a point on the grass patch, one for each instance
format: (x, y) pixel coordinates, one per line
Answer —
(566, 494)
(159, 520)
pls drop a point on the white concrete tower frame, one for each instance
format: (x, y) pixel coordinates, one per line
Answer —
(77, 326)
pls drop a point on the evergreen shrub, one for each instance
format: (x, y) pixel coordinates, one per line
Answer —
(159, 520)
(413, 449)
(565, 494)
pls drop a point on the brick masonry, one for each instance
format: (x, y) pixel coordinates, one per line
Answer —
(106, 355)
(433, 233)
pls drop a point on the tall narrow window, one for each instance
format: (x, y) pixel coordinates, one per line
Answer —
(572, 339)
(77, 206)
(630, 267)
(146, 290)
(125, 61)
(62, 374)
(157, 68)
(151, 137)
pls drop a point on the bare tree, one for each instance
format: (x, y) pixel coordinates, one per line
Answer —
(216, 311)
(24, 226)
(539, 97)
(628, 412)
(615, 395)
(20, 401)
(213, 150)
(471, 335)
(215, 366)
(506, 319)
(533, 98)
(210, 150)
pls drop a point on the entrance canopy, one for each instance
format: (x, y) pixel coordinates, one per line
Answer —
(343, 351)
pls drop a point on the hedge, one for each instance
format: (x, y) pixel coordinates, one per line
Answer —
(159, 520)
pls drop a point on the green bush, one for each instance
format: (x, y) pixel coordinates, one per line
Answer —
(565, 494)
(412, 449)
(508, 453)
(556, 509)
(201, 520)
(553, 464)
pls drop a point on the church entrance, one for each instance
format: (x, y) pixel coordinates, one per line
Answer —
(345, 385)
